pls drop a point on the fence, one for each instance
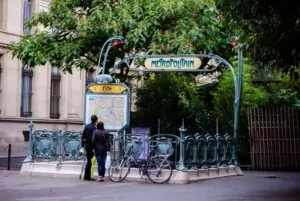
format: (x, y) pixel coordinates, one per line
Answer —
(275, 138)
(53, 145)
(192, 151)
(200, 151)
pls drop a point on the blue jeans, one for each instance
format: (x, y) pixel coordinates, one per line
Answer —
(101, 158)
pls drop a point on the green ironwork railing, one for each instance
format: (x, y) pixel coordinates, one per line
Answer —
(186, 152)
(57, 145)
(198, 151)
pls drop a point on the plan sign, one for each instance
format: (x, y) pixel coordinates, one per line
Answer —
(110, 102)
(173, 63)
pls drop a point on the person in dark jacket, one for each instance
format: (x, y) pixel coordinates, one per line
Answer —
(101, 147)
(86, 142)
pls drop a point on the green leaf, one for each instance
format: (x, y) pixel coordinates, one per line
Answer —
(82, 27)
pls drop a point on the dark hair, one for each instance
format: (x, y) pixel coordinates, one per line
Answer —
(94, 118)
(100, 125)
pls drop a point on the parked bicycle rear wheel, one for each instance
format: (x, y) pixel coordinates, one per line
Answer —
(159, 171)
(118, 170)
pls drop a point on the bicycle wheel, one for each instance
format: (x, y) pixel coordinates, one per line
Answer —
(118, 170)
(159, 171)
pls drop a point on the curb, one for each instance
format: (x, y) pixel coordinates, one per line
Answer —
(16, 156)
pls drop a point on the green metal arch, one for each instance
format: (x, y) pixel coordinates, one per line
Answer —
(237, 89)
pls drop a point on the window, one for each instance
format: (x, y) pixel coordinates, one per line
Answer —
(0, 71)
(0, 79)
(26, 16)
(89, 77)
(1, 14)
(27, 74)
(55, 92)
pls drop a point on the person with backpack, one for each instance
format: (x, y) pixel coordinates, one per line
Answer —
(86, 142)
(101, 147)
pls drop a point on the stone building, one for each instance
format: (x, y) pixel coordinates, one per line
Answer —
(44, 95)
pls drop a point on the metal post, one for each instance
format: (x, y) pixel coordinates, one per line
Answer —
(217, 126)
(105, 57)
(237, 105)
(182, 131)
(158, 126)
(205, 154)
(195, 146)
(9, 157)
(120, 38)
(120, 142)
(60, 147)
(29, 157)
(216, 156)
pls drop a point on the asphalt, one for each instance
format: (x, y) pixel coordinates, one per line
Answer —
(14, 164)
(254, 186)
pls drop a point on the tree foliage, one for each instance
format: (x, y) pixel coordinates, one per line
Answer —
(223, 97)
(171, 98)
(286, 92)
(269, 28)
(72, 32)
(223, 103)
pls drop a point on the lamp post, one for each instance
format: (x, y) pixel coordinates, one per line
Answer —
(29, 157)
(115, 41)
(238, 94)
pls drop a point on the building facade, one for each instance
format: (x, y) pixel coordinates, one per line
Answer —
(45, 95)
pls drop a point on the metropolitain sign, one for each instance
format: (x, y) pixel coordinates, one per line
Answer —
(173, 63)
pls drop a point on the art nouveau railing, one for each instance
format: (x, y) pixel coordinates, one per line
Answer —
(200, 151)
(186, 152)
(45, 145)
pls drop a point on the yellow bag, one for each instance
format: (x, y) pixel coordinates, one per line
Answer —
(93, 165)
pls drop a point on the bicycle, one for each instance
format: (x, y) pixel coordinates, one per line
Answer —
(157, 168)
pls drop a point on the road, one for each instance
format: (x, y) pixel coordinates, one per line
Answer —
(15, 163)
(254, 186)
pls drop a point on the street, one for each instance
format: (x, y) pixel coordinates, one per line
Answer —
(15, 163)
(254, 186)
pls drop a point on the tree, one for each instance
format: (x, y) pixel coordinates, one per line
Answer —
(286, 92)
(73, 31)
(269, 28)
(171, 98)
(252, 96)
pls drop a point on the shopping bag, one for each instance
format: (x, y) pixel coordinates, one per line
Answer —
(93, 165)
(107, 162)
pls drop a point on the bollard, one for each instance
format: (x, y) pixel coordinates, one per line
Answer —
(9, 157)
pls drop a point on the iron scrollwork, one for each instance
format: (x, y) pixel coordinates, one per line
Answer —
(45, 144)
(71, 145)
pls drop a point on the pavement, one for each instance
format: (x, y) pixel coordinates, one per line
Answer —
(254, 186)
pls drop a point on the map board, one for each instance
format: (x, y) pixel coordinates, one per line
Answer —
(111, 108)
